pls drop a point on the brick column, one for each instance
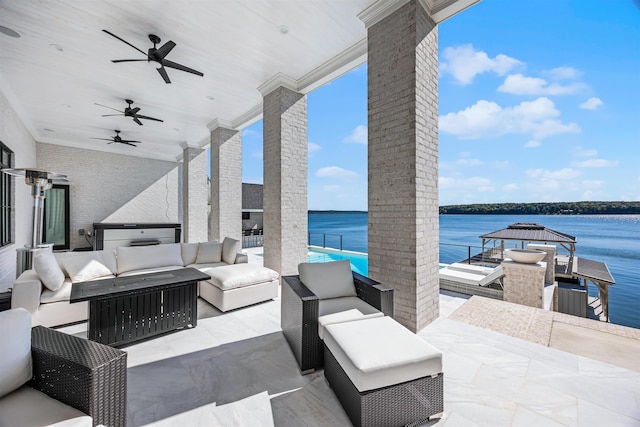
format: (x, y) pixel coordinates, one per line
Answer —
(403, 161)
(550, 259)
(524, 283)
(194, 195)
(285, 180)
(225, 219)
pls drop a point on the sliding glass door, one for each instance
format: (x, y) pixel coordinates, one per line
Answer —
(56, 217)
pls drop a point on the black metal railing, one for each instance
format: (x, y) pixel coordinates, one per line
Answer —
(323, 241)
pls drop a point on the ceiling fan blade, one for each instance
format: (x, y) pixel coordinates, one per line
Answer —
(106, 106)
(129, 60)
(124, 142)
(135, 119)
(110, 115)
(133, 111)
(140, 116)
(104, 139)
(164, 74)
(126, 42)
(180, 67)
(128, 141)
(164, 50)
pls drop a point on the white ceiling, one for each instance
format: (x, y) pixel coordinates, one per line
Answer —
(60, 66)
(238, 45)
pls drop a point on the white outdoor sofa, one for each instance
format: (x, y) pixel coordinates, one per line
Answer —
(45, 290)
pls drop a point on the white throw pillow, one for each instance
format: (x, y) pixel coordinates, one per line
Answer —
(86, 266)
(48, 270)
(328, 279)
(209, 252)
(230, 248)
(189, 253)
(15, 357)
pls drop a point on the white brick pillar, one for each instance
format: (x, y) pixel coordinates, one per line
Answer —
(285, 180)
(194, 195)
(225, 219)
(403, 161)
(550, 259)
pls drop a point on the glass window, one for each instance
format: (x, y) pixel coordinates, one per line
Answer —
(55, 227)
(6, 197)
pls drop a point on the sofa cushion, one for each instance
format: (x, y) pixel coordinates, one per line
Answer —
(239, 275)
(108, 258)
(207, 265)
(341, 317)
(150, 270)
(400, 355)
(142, 257)
(49, 272)
(229, 249)
(336, 305)
(328, 279)
(189, 253)
(15, 357)
(86, 266)
(29, 407)
(63, 294)
(209, 252)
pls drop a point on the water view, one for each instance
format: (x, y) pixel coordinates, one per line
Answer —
(612, 239)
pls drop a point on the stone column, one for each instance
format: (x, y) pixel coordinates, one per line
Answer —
(524, 283)
(285, 180)
(194, 195)
(225, 219)
(403, 161)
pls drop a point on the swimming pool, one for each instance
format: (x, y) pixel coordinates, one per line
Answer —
(359, 261)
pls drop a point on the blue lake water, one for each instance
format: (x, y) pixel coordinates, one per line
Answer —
(612, 239)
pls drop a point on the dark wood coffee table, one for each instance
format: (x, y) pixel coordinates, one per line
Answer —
(123, 310)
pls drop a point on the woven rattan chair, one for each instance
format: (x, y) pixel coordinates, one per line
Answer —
(300, 310)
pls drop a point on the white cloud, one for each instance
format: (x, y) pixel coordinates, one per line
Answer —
(464, 63)
(469, 162)
(519, 84)
(445, 182)
(560, 73)
(581, 152)
(510, 187)
(313, 147)
(502, 164)
(358, 135)
(487, 119)
(335, 172)
(332, 188)
(591, 104)
(596, 163)
(532, 144)
(478, 183)
(543, 179)
(593, 183)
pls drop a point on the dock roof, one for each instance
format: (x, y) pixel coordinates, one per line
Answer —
(530, 231)
(594, 270)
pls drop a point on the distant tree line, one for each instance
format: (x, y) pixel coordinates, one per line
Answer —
(559, 208)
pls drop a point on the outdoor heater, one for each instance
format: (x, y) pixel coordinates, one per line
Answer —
(40, 181)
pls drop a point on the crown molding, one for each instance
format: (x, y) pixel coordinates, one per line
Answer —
(279, 80)
(217, 123)
(248, 118)
(438, 10)
(380, 10)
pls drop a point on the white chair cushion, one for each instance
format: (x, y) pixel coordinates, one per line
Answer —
(230, 248)
(239, 275)
(209, 252)
(142, 257)
(328, 279)
(15, 356)
(48, 270)
(189, 253)
(29, 407)
(342, 316)
(336, 305)
(150, 270)
(86, 266)
(380, 352)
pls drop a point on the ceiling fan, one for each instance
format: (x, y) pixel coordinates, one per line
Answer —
(117, 139)
(129, 112)
(158, 55)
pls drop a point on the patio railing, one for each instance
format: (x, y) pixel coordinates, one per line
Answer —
(320, 239)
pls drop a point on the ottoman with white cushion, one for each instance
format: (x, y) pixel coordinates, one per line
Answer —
(382, 373)
(238, 285)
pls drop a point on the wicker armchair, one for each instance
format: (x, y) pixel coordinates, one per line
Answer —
(53, 378)
(299, 316)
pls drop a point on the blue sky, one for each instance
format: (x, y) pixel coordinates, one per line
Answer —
(539, 101)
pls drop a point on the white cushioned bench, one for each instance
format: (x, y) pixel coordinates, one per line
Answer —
(382, 373)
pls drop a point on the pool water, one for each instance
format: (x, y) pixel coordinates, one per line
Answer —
(359, 260)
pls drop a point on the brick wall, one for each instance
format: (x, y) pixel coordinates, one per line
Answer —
(225, 219)
(550, 274)
(15, 135)
(107, 187)
(403, 162)
(195, 219)
(524, 283)
(285, 180)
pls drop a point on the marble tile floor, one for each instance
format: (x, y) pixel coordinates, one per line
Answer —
(236, 369)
